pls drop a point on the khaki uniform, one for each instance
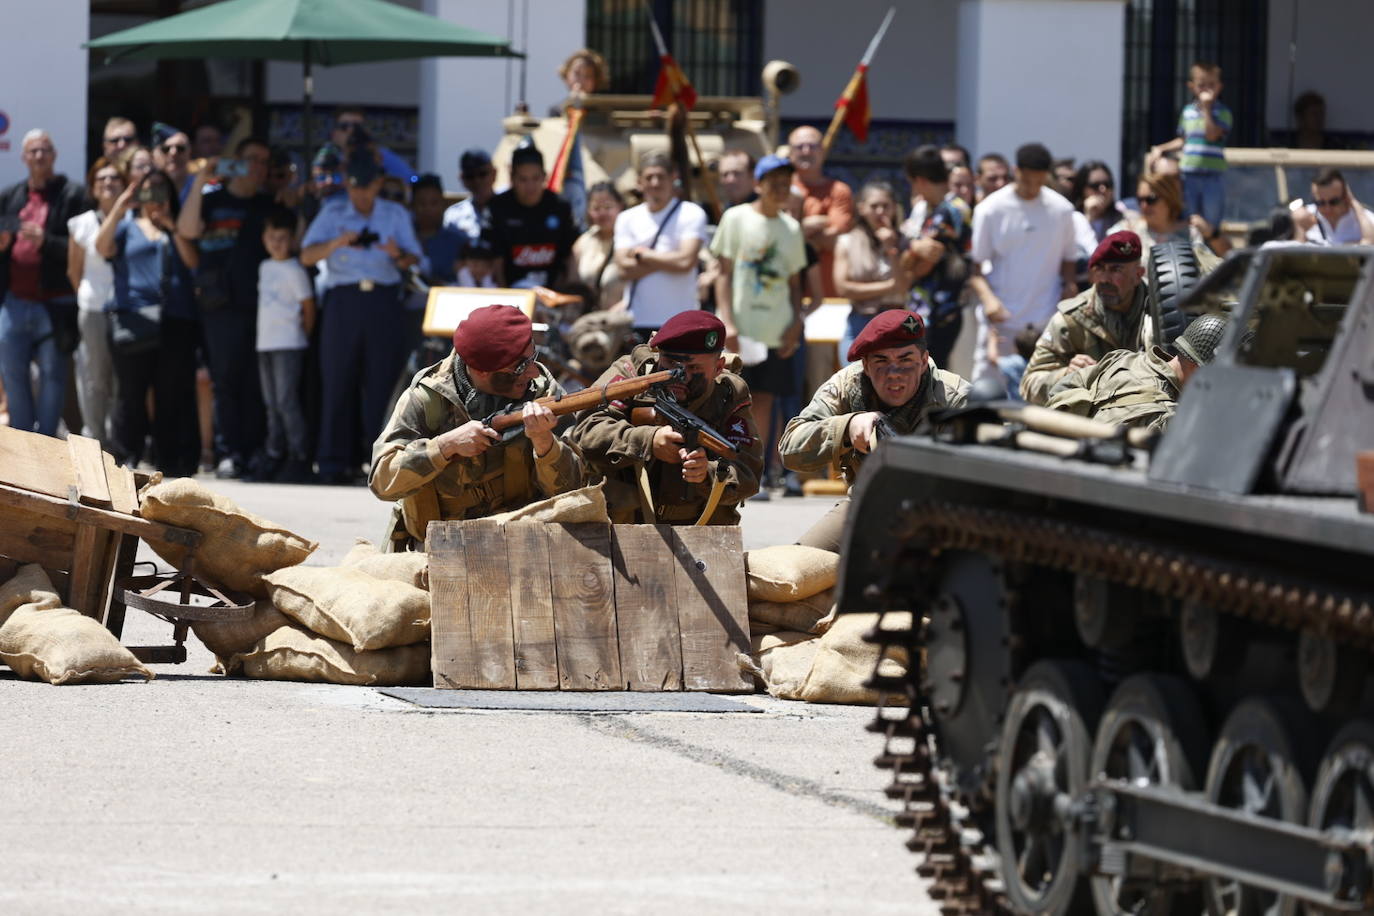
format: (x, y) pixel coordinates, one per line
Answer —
(1081, 325)
(614, 447)
(408, 468)
(819, 437)
(1125, 388)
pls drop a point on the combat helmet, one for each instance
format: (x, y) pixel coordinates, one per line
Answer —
(1199, 342)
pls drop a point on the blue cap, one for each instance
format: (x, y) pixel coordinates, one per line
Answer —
(771, 164)
(362, 167)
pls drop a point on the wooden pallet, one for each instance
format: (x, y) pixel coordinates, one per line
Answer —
(535, 606)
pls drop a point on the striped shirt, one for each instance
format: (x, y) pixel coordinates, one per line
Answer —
(1199, 153)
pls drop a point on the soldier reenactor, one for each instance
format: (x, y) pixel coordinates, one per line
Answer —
(653, 473)
(1110, 315)
(1139, 390)
(893, 387)
(439, 460)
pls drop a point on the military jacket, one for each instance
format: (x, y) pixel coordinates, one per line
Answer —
(408, 467)
(819, 437)
(1079, 327)
(1125, 388)
(616, 449)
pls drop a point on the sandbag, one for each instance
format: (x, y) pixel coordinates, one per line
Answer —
(225, 637)
(809, 615)
(584, 506)
(784, 661)
(349, 605)
(844, 661)
(409, 566)
(292, 654)
(790, 572)
(238, 548)
(41, 639)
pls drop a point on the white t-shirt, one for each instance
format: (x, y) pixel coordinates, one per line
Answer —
(97, 274)
(282, 285)
(1022, 245)
(1345, 232)
(660, 295)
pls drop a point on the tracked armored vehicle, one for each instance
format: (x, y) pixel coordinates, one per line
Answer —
(1140, 677)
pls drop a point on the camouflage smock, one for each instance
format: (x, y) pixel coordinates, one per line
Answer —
(1083, 325)
(820, 436)
(615, 448)
(1126, 388)
(408, 467)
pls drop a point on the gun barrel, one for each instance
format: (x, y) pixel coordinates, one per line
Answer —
(598, 396)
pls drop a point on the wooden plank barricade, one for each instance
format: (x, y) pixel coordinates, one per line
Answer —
(538, 606)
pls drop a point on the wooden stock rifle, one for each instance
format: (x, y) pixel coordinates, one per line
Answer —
(695, 431)
(510, 423)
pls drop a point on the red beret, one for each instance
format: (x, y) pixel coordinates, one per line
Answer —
(1118, 248)
(493, 337)
(690, 332)
(892, 328)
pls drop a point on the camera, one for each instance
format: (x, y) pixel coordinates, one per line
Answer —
(231, 168)
(366, 238)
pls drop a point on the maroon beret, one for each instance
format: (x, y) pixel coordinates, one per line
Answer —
(1118, 248)
(892, 328)
(690, 332)
(493, 337)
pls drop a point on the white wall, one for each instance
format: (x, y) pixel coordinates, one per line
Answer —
(911, 77)
(462, 100)
(1333, 59)
(43, 75)
(1045, 70)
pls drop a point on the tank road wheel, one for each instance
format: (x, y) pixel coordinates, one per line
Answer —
(1256, 768)
(1330, 675)
(1042, 763)
(1343, 793)
(968, 669)
(1151, 734)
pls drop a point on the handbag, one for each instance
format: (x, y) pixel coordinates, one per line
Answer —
(139, 330)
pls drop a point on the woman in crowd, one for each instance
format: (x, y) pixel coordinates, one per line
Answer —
(153, 330)
(1161, 213)
(1094, 195)
(93, 279)
(135, 162)
(592, 251)
(868, 269)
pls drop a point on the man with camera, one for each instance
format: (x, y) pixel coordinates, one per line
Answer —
(226, 224)
(366, 242)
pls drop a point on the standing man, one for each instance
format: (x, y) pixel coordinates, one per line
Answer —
(529, 226)
(120, 135)
(735, 173)
(892, 383)
(758, 292)
(479, 177)
(38, 314)
(680, 482)
(1024, 233)
(827, 203)
(172, 154)
(366, 243)
(350, 125)
(438, 460)
(1110, 315)
(656, 247)
(228, 224)
(993, 174)
(936, 250)
(208, 141)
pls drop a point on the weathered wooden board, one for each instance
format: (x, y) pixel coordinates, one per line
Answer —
(489, 605)
(536, 652)
(40, 464)
(712, 607)
(584, 607)
(646, 607)
(88, 466)
(453, 660)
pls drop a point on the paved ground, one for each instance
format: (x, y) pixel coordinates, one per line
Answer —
(196, 793)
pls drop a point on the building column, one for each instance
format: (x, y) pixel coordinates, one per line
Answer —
(45, 72)
(464, 99)
(1042, 70)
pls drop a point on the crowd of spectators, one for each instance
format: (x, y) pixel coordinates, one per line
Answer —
(217, 310)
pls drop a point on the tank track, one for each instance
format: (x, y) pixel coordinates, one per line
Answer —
(957, 859)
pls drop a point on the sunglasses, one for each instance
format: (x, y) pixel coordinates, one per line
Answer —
(1099, 185)
(1333, 202)
(122, 139)
(175, 147)
(1150, 199)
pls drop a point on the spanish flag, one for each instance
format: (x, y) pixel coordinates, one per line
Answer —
(854, 103)
(672, 85)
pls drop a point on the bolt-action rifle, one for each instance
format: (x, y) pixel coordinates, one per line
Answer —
(510, 424)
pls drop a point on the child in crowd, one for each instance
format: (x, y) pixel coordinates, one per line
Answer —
(478, 266)
(286, 315)
(1203, 127)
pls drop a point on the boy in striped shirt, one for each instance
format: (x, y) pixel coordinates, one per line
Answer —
(1203, 127)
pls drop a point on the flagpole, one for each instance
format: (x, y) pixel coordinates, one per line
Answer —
(852, 86)
(676, 88)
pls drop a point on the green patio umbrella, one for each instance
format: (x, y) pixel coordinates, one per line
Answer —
(324, 32)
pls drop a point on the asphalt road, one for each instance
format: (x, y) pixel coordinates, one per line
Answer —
(197, 793)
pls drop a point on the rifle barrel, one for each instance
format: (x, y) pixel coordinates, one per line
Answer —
(597, 396)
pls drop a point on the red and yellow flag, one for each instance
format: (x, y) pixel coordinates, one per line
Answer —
(566, 153)
(672, 85)
(854, 103)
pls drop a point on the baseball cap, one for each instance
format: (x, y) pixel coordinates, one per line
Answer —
(771, 164)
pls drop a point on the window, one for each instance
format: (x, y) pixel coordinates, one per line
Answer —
(718, 43)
